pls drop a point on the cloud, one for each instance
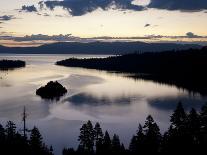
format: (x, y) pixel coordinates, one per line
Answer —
(31, 8)
(147, 25)
(81, 7)
(188, 35)
(182, 5)
(41, 37)
(192, 35)
(7, 17)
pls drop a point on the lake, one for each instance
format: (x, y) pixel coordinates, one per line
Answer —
(115, 100)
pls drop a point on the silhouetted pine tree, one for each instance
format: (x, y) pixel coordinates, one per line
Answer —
(178, 118)
(87, 137)
(133, 145)
(137, 143)
(2, 139)
(203, 132)
(10, 130)
(178, 134)
(152, 136)
(116, 145)
(107, 143)
(194, 126)
(36, 143)
(98, 138)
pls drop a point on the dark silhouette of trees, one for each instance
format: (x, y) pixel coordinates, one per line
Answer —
(99, 138)
(178, 118)
(203, 132)
(152, 135)
(107, 143)
(52, 90)
(87, 138)
(11, 64)
(36, 141)
(116, 145)
(187, 134)
(184, 69)
(176, 139)
(12, 142)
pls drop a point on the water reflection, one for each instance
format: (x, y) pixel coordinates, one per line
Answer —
(119, 103)
(169, 103)
(87, 99)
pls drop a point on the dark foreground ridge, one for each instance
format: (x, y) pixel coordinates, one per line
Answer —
(186, 68)
(11, 64)
(13, 142)
(53, 90)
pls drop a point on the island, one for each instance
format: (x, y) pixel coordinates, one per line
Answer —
(11, 64)
(51, 91)
(185, 69)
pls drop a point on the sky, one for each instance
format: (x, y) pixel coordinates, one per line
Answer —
(35, 22)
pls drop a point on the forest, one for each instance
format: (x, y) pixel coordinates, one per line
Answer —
(11, 64)
(187, 133)
(184, 68)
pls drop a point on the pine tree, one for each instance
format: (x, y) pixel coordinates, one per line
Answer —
(2, 139)
(203, 117)
(178, 118)
(194, 123)
(152, 135)
(36, 143)
(194, 130)
(107, 143)
(10, 130)
(178, 135)
(2, 134)
(98, 132)
(98, 138)
(87, 137)
(140, 140)
(116, 145)
(133, 145)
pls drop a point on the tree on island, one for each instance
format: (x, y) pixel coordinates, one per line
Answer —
(52, 90)
(11, 64)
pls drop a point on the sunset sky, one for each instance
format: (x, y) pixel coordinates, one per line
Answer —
(34, 22)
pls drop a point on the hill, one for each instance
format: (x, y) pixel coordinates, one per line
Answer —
(185, 68)
(112, 48)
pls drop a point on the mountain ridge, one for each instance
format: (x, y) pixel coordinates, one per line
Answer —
(97, 48)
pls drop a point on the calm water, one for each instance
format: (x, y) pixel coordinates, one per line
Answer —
(119, 103)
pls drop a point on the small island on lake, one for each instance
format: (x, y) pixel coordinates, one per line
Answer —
(11, 64)
(53, 90)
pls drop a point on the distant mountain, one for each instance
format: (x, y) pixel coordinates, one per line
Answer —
(97, 48)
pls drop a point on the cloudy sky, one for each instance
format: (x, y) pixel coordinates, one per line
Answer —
(33, 22)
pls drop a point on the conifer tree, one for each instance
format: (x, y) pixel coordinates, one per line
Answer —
(107, 143)
(36, 141)
(87, 137)
(152, 135)
(98, 138)
(116, 145)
